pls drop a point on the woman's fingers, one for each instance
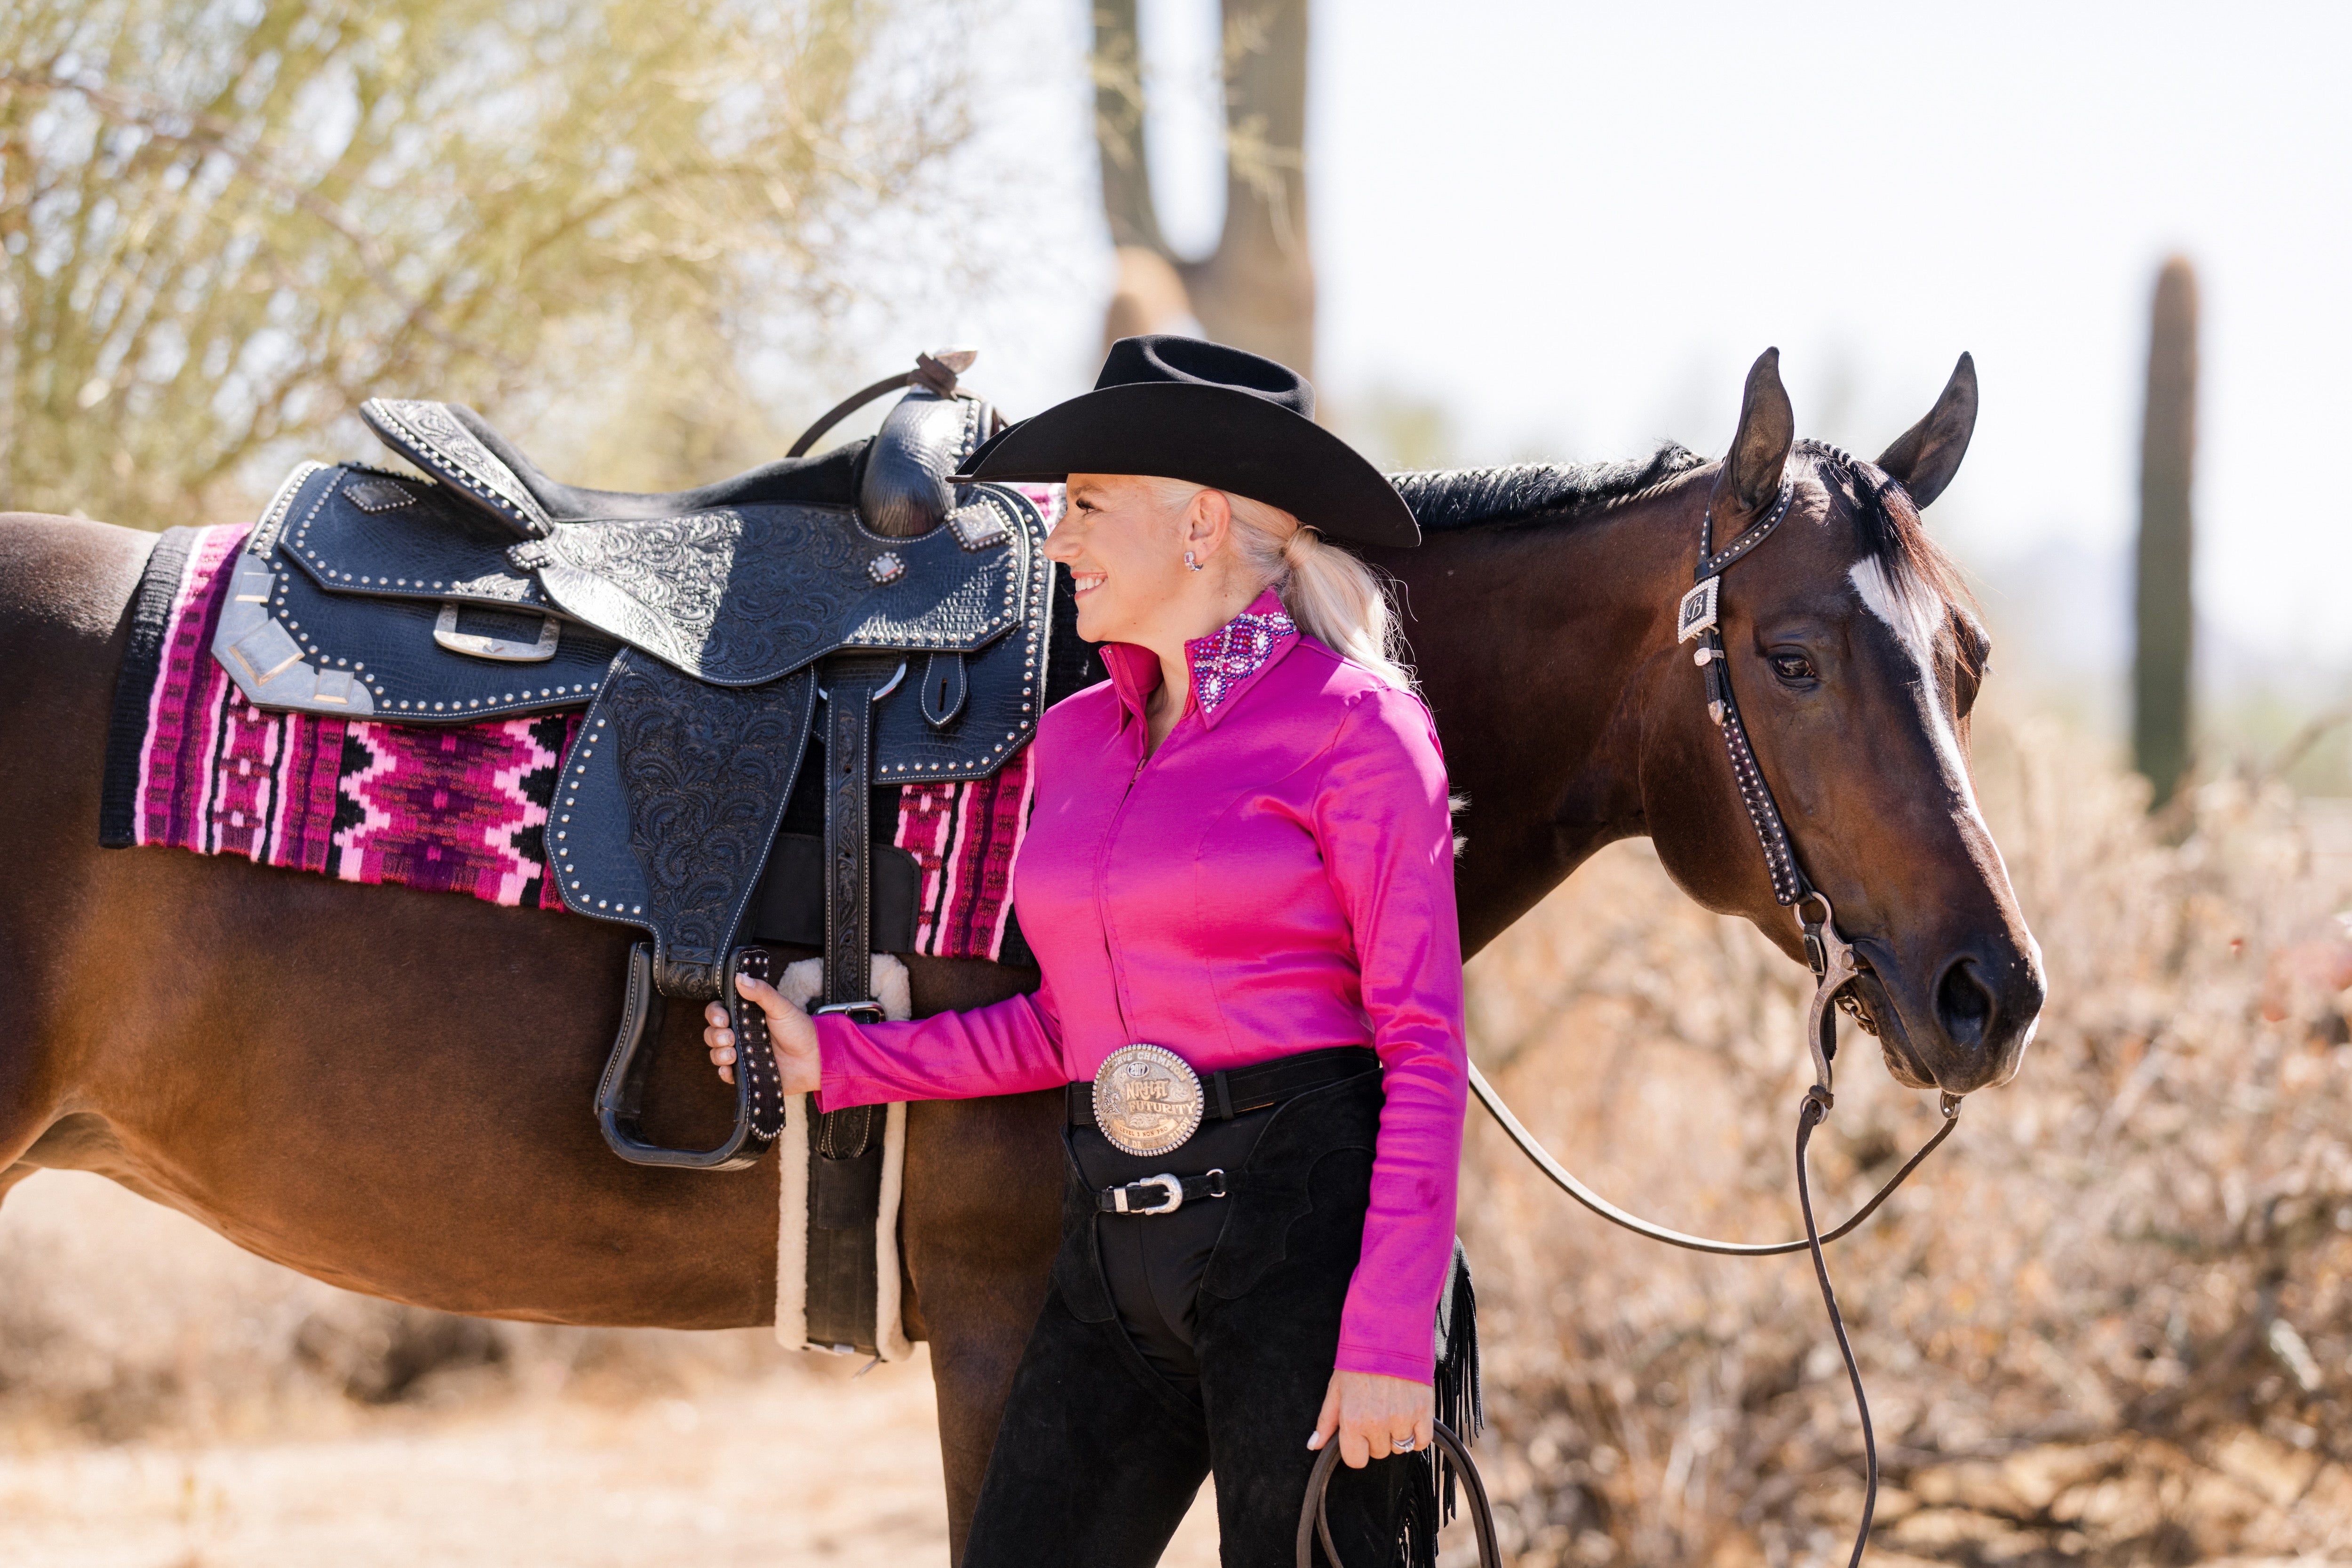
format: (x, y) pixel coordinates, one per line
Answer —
(791, 1034)
(1373, 1415)
(1327, 1422)
(719, 1041)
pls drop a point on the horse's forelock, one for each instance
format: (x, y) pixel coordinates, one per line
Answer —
(1890, 529)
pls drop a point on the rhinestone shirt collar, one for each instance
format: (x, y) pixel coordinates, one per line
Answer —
(1221, 661)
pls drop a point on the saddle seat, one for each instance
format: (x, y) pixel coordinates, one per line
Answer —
(903, 492)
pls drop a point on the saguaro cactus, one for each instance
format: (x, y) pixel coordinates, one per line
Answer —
(1257, 291)
(2163, 614)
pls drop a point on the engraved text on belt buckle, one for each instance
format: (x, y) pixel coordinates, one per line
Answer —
(1148, 1100)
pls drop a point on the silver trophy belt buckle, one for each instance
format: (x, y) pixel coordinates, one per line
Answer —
(1148, 1100)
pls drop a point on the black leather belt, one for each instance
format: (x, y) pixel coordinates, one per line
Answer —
(1233, 1091)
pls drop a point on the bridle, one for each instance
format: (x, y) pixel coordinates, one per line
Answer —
(1834, 965)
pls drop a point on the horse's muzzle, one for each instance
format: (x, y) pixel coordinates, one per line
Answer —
(1965, 1030)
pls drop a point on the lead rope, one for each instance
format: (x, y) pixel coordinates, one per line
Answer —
(1810, 1115)
(1835, 969)
(1315, 1520)
(1834, 966)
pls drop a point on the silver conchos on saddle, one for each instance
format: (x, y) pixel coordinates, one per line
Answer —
(1148, 1100)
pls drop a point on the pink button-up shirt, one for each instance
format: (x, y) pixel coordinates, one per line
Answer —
(1278, 877)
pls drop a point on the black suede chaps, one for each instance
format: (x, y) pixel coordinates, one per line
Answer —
(1172, 1345)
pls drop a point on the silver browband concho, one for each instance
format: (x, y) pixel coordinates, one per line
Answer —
(1148, 1100)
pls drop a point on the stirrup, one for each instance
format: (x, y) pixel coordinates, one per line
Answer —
(759, 1089)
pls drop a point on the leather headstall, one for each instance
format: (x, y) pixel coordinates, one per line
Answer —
(1699, 615)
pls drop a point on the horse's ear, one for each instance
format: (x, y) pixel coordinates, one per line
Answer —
(1767, 428)
(1926, 456)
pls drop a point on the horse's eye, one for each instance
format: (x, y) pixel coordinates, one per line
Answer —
(1792, 666)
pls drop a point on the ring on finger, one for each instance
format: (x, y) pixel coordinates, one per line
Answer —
(1400, 1444)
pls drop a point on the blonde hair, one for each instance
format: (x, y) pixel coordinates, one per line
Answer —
(1331, 594)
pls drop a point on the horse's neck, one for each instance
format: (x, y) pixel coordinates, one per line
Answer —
(1535, 646)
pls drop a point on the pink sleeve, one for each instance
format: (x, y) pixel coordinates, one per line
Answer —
(1387, 837)
(1006, 1048)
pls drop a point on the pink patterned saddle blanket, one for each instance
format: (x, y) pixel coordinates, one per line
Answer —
(459, 809)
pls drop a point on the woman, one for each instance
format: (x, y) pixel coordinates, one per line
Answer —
(1238, 881)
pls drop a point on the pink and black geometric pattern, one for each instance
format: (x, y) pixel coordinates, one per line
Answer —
(965, 837)
(461, 809)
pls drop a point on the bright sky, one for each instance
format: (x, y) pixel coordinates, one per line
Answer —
(1574, 226)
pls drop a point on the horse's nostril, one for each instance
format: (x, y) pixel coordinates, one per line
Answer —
(1964, 1004)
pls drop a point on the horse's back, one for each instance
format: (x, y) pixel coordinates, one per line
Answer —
(64, 582)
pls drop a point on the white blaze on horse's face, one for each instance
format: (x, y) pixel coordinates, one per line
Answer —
(1913, 613)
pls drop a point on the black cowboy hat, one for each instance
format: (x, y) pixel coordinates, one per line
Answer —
(1214, 416)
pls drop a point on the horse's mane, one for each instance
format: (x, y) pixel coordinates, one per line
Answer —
(1445, 500)
(1448, 500)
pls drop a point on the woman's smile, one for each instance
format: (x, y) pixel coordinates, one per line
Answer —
(1085, 583)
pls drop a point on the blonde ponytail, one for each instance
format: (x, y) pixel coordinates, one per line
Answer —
(1340, 599)
(1332, 596)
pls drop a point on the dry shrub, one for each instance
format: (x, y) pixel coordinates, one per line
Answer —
(2108, 1323)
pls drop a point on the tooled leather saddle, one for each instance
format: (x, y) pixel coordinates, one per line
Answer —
(703, 632)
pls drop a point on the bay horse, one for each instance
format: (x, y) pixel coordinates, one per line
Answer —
(389, 1089)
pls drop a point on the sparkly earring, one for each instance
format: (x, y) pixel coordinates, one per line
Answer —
(1189, 562)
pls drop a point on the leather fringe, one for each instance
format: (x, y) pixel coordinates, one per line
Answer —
(1460, 1405)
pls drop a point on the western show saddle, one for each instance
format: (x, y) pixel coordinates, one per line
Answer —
(702, 632)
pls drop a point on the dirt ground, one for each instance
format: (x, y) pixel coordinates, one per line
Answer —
(789, 1470)
(723, 1452)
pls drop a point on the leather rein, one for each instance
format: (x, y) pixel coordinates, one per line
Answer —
(1835, 968)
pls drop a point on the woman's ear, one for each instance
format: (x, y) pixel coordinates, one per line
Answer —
(1208, 522)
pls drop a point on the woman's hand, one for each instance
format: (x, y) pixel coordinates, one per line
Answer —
(791, 1031)
(1373, 1414)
